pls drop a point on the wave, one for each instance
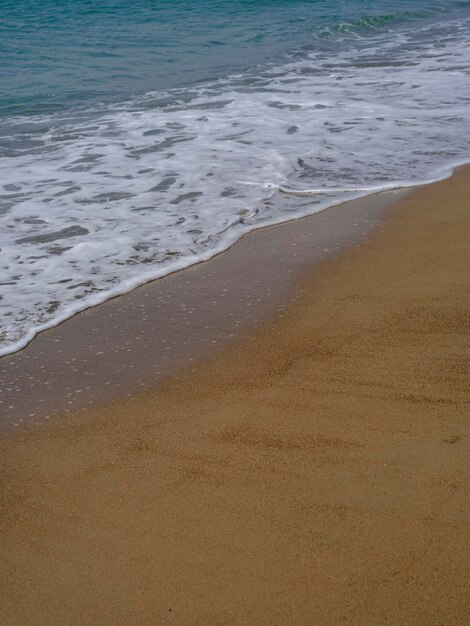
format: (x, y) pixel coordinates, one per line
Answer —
(99, 200)
(377, 22)
(57, 55)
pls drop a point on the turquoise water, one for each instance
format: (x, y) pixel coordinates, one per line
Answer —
(56, 53)
(137, 138)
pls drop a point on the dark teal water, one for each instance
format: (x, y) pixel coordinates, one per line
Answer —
(139, 137)
(54, 53)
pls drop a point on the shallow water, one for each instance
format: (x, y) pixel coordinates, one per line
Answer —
(136, 140)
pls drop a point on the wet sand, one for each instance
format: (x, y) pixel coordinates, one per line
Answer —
(139, 339)
(317, 472)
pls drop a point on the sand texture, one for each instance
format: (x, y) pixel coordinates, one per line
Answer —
(318, 473)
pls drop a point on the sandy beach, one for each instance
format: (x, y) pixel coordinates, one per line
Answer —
(138, 340)
(315, 472)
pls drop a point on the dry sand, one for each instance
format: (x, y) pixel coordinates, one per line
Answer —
(318, 473)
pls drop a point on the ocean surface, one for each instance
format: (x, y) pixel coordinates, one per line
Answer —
(137, 138)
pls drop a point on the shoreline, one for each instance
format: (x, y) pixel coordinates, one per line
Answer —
(316, 471)
(102, 298)
(139, 339)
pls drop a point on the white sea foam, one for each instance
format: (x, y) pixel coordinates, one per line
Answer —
(96, 202)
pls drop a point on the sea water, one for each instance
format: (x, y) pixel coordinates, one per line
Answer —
(137, 138)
